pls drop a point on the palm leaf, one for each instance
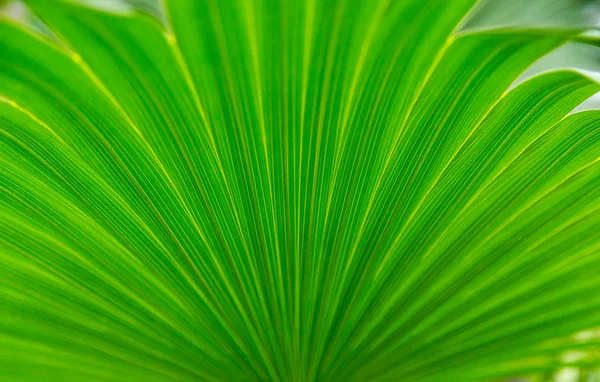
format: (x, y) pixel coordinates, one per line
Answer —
(282, 190)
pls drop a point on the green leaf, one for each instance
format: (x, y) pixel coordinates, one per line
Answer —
(282, 190)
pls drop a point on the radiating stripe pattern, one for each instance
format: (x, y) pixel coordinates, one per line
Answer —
(285, 190)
